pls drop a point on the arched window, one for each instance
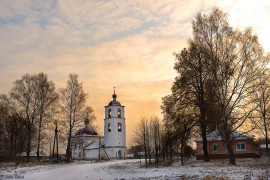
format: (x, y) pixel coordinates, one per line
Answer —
(110, 113)
(119, 127)
(109, 127)
(119, 113)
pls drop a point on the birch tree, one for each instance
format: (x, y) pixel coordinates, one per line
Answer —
(73, 100)
(47, 97)
(141, 137)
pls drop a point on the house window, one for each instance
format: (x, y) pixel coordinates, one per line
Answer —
(109, 113)
(80, 154)
(241, 146)
(119, 113)
(119, 127)
(215, 148)
(109, 127)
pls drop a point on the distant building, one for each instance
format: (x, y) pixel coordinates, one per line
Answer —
(87, 144)
(243, 146)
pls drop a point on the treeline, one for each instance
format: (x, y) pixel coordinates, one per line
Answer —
(32, 108)
(159, 142)
(222, 83)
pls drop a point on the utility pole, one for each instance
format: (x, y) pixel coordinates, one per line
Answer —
(56, 131)
(50, 148)
(99, 149)
(55, 140)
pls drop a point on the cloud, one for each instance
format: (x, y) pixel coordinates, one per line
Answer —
(127, 44)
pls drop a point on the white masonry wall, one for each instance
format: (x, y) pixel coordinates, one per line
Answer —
(114, 138)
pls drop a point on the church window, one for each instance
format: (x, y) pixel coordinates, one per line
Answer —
(119, 113)
(119, 127)
(109, 127)
(110, 113)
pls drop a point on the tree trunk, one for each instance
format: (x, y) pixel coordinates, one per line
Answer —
(265, 125)
(39, 129)
(171, 152)
(230, 151)
(69, 136)
(28, 144)
(182, 151)
(266, 137)
(205, 151)
(68, 147)
(145, 147)
(156, 155)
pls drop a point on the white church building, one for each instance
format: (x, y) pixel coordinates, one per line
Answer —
(86, 144)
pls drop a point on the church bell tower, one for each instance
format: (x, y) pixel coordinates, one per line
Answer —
(115, 129)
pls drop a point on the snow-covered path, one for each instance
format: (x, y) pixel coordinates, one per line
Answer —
(78, 171)
(130, 169)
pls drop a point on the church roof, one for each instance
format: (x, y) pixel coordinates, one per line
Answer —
(87, 131)
(114, 102)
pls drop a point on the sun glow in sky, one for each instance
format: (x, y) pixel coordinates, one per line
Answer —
(124, 43)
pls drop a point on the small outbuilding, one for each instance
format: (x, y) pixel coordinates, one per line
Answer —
(243, 146)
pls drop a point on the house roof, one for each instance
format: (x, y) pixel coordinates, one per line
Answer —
(215, 136)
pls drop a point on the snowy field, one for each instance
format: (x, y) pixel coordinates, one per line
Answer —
(130, 169)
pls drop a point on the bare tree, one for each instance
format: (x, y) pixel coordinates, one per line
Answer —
(24, 92)
(46, 98)
(170, 134)
(13, 129)
(180, 119)
(194, 83)
(156, 137)
(140, 137)
(236, 63)
(89, 115)
(262, 98)
(73, 98)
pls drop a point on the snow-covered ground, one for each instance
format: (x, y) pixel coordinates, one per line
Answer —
(130, 169)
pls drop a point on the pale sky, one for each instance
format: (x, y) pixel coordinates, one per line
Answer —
(124, 43)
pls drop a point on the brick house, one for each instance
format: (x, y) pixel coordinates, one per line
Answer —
(243, 146)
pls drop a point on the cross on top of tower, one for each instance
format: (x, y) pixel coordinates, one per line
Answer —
(114, 95)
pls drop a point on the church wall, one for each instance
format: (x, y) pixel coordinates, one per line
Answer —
(113, 152)
(114, 110)
(86, 147)
(93, 154)
(114, 138)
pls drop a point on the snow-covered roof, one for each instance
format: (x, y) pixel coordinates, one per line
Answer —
(215, 136)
